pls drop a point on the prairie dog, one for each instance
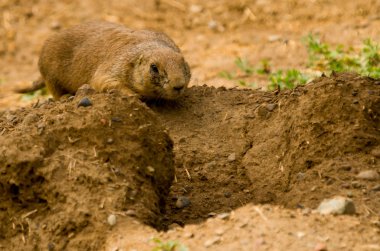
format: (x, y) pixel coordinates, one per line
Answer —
(110, 56)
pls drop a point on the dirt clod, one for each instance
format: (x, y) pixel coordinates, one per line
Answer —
(368, 175)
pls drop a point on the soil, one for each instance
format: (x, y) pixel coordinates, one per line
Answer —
(70, 167)
(252, 164)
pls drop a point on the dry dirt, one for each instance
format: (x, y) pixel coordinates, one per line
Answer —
(253, 164)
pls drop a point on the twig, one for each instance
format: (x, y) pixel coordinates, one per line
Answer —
(95, 153)
(371, 211)
(281, 167)
(319, 174)
(225, 117)
(28, 214)
(261, 214)
(188, 174)
(72, 140)
(36, 104)
(72, 164)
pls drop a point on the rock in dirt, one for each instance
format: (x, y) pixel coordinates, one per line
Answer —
(182, 202)
(368, 175)
(224, 216)
(232, 157)
(195, 8)
(174, 226)
(337, 205)
(111, 219)
(85, 102)
(376, 188)
(212, 241)
(271, 107)
(227, 194)
(320, 247)
(376, 152)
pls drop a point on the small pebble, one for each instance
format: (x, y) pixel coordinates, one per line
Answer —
(51, 246)
(274, 38)
(320, 247)
(243, 224)
(306, 211)
(227, 194)
(174, 226)
(271, 107)
(182, 202)
(130, 212)
(213, 25)
(30, 119)
(350, 194)
(376, 152)
(368, 175)
(345, 185)
(220, 231)
(111, 219)
(356, 184)
(300, 176)
(376, 188)
(300, 235)
(195, 8)
(84, 102)
(211, 214)
(150, 169)
(223, 216)
(211, 242)
(110, 140)
(188, 235)
(116, 119)
(232, 157)
(55, 25)
(337, 205)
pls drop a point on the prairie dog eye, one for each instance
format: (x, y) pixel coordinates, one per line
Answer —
(153, 69)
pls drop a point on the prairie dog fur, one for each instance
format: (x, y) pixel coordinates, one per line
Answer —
(110, 56)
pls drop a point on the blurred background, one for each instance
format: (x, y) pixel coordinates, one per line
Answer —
(212, 34)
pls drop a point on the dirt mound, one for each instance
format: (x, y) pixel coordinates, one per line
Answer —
(65, 169)
(293, 148)
(311, 142)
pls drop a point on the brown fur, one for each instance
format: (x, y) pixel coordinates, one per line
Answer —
(111, 56)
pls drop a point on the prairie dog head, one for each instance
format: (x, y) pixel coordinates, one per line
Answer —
(161, 73)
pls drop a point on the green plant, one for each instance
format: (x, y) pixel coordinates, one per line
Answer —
(321, 58)
(34, 94)
(265, 67)
(370, 59)
(287, 79)
(227, 75)
(168, 246)
(244, 66)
